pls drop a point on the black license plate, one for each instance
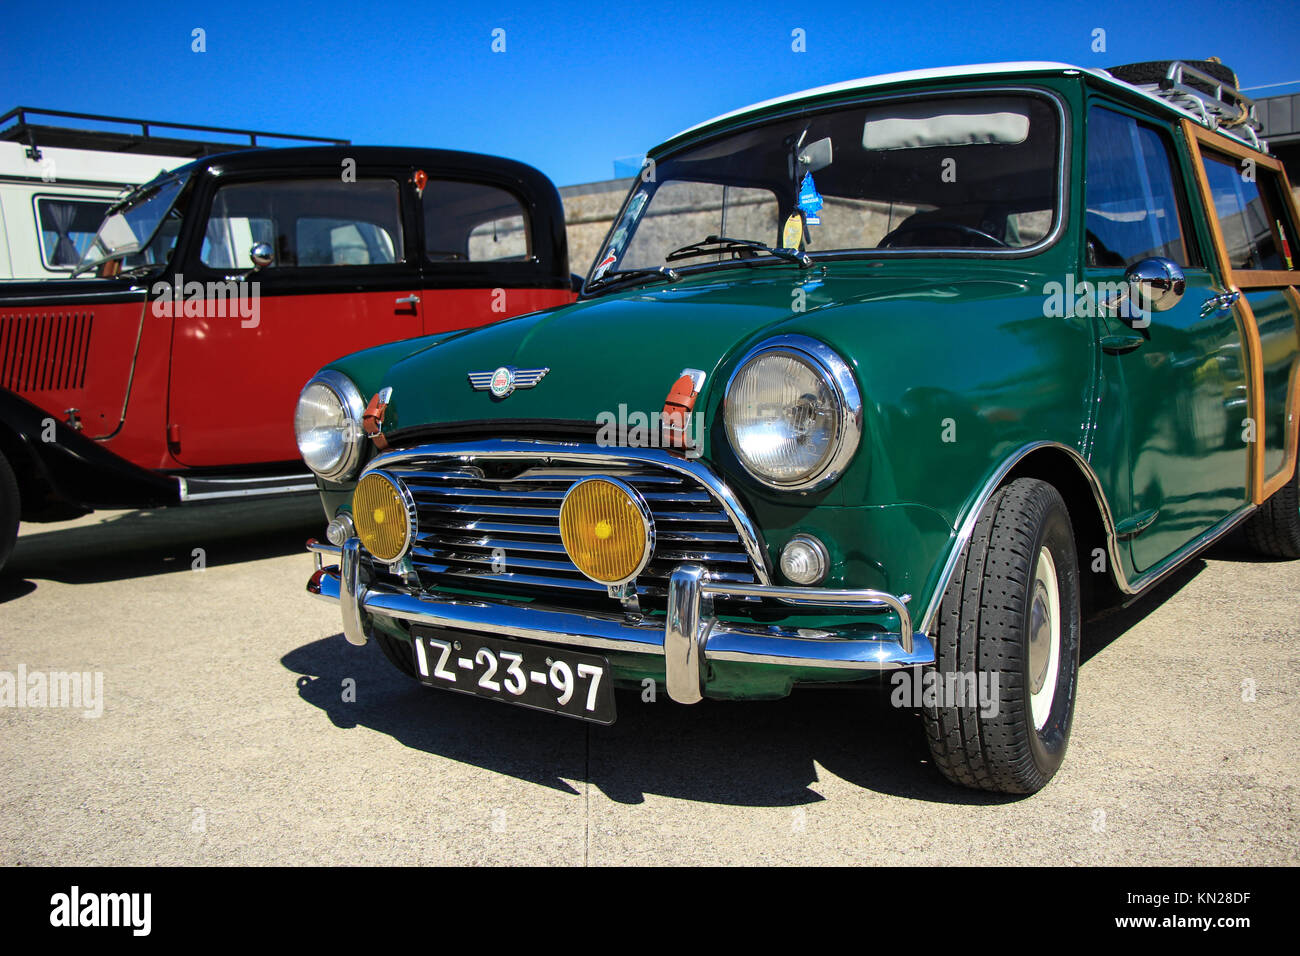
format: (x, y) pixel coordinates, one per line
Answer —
(554, 679)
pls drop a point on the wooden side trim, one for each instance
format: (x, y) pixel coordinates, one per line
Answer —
(1232, 147)
(1252, 349)
(1261, 279)
(1192, 133)
(1278, 480)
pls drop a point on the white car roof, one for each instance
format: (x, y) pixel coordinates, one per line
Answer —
(947, 72)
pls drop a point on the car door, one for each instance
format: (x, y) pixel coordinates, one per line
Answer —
(1253, 217)
(342, 276)
(485, 257)
(1182, 371)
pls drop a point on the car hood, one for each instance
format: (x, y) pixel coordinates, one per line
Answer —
(629, 348)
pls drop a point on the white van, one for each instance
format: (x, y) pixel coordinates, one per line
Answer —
(57, 180)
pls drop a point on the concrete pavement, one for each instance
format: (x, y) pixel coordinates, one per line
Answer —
(238, 727)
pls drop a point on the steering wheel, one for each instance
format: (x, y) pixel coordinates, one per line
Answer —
(938, 226)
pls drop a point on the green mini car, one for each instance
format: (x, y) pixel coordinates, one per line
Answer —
(910, 374)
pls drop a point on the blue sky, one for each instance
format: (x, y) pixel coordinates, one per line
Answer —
(578, 84)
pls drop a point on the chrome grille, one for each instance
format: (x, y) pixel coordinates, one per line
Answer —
(494, 526)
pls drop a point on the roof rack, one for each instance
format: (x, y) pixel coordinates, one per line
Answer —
(142, 140)
(1221, 107)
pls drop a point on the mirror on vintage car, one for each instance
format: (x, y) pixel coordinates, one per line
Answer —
(814, 157)
(1157, 283)
(262, 255)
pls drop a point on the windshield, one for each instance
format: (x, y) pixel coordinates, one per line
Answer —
(140, 232)
(969, 173)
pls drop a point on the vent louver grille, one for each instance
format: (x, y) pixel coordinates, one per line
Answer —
(44, 352)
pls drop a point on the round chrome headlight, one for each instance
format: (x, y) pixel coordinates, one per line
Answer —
(327, 425)
(793, 413)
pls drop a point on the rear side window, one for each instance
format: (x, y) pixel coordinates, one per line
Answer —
(1132, 198)
(473, 222)
(67, 228)
(307, 222)
(1255, 231)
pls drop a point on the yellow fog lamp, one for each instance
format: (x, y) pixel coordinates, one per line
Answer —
(384, 514)
(607, 530)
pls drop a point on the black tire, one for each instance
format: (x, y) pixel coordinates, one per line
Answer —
(10, 510)
(1274, 530)
(399, 653)
(1153, 71)
(984, 629)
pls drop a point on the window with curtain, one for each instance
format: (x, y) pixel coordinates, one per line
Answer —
(67, 227)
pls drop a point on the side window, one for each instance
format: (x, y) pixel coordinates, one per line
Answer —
(471, 222)
(307, 222)
(67, 228)
(1132, 199)
(1255, 229)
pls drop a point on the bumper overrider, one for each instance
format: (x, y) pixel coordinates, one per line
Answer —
(689, 636)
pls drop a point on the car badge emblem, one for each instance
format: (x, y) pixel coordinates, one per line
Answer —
(504, 380)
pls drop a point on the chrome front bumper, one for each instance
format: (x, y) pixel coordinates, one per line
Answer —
(690, 636)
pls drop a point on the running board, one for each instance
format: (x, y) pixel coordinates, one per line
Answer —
(216, 489)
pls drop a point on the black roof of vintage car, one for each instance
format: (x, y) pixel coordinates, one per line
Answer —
(545, 207)
(530, 181)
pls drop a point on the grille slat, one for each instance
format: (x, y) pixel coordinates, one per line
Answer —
(479, 516)
(44, 352)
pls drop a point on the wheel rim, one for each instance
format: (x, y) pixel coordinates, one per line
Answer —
(1044, 638)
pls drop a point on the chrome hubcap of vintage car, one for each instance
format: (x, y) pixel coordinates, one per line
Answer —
(1044, 638)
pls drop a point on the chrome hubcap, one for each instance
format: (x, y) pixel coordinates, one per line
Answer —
(1044, 638)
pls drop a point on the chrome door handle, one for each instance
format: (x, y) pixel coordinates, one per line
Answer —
(408, 300)
(1219, 303)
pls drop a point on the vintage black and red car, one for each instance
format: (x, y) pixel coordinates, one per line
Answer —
(167, 370)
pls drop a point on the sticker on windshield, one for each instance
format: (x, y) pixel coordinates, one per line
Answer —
(792, 234)
(636, 205)
(810, 200)
(605, 263)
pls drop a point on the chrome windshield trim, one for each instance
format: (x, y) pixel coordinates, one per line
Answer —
(583, 453)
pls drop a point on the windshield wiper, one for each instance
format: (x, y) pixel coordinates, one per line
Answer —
(663, 272)
(713, 244)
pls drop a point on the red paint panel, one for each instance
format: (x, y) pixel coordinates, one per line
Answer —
(234, 388)
(72, 355)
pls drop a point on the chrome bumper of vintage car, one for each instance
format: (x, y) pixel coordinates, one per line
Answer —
(689, 637)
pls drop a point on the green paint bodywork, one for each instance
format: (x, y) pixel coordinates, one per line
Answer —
(960, 367)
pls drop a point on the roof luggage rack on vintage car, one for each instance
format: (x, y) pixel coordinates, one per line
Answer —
(36, 135)
(1213, 99)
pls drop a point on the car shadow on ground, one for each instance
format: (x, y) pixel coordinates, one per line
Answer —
(742, 753)
(763, 754)
(113, 546)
